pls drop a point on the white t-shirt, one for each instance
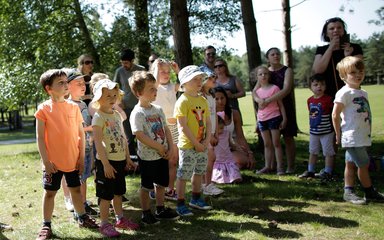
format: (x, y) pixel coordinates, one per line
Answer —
(356, 117)
(166, 98)
(151, 121)
(113, 134)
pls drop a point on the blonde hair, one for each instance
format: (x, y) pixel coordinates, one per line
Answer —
(95, 78)
(138, 79)
(159, 62)
(348, 64)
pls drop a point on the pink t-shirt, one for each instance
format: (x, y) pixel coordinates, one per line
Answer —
(62, 121)
(272, 109)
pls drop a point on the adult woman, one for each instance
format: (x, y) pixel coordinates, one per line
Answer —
(243, 154)
(282, 77)
(85, 66)
(329, 55)
(230, 83)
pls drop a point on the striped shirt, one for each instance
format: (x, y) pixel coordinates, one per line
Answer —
(320, 110)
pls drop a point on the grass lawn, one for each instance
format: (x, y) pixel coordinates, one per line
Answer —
(302, 209)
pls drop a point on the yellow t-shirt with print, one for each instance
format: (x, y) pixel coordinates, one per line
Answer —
(196, 111)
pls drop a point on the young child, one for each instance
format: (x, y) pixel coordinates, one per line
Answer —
(321, 132)
(60, 140)
(154, 145)
(209, 188)
(271, 119)
(193, 119)
(76, 87)
(354, 134)
(112, 158)
(166, 99)
(225, 169)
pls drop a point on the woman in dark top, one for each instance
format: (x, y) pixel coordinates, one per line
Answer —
(282, 76)
(327, 57)
(85, 67)
(230, 83)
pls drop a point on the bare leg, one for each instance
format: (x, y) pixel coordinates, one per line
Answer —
(104, 210)
(349, 174)
(159, 195)
(180, 188)
(172, 164)
(118, 204)
(211, 161)
(278, 150)
(290, 152)
(363, 174)
(268, 150)
(76, 200)
(144, 200)
(196, 183)
(48, 204)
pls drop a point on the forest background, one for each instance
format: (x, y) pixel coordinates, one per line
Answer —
(39, 35)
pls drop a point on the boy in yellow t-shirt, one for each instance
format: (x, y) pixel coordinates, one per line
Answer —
(194, 125)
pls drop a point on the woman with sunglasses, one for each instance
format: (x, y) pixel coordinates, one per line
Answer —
(230, 83)
(334, 32)
(85, 67)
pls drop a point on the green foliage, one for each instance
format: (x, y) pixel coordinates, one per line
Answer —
(303, 59)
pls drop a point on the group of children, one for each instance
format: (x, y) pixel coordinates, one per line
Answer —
(345, 121)
(173, 135)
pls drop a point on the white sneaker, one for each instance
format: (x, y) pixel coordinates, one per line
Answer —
(68, 204)
(212, 190)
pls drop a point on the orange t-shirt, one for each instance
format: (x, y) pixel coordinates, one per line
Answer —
(62, 120)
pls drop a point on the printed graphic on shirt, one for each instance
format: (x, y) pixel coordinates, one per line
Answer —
(315, 112)
(363, 108)
(116, 139)
(156, 128)
(199, 113)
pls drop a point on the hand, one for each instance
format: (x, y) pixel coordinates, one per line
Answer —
(251, 160)
(175, 67)
(213, 141)
(49, 167)
(162, 151)
(130, 165)
(109, 171)
(338, 139)
(80, 166)
(283, 124)
(200, 147)
(263, 104)
(334, 44)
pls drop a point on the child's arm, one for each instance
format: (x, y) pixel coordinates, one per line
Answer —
(208, 131)
(182, 120)
(80, 161)
(109, 171)
(130, 163)
(49, 167)
(337, 109)
(168, 136)
(287, 87)
(140, 135)
(283, 123)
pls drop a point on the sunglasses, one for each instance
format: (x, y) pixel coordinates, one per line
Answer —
(211, 54)
(88, 62)
(219, 65)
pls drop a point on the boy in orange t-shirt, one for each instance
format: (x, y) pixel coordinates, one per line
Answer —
(60, 140)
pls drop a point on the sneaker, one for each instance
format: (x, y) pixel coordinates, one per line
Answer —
(199, 204)
(264, 170)
(87, 222)
(374, 196)
(212, 190)
(307, 174)
(152, 195)
(90, 211)
(353, 198)
(171, 195)
(4, 227)
(68, 204)
(325, 177)
(45, 233)
(166, 214)
(149, 219)
(109, 230)
(125, 223)
(90, 203)
(184, 211)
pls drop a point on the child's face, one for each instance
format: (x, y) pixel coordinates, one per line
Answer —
(210, 83)
(354, 78)
(59, 87)
(164, 73)
(318, 88)
(220, 101)
(149, 92)
(263, 75)
(194, 85)
(108, 98)
(77, 87)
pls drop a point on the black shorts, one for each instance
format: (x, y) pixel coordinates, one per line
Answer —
(52, 181)
(106, 188)
(154, 172)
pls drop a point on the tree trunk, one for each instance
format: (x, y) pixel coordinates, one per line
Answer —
(89, 45)
(181, 32)
(288, 58)
(251, 39)
(142, 30)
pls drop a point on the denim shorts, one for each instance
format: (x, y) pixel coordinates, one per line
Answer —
(270, 124)
(357, 155)
(87, 166)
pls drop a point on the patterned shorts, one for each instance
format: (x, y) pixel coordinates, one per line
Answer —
(191, 162)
